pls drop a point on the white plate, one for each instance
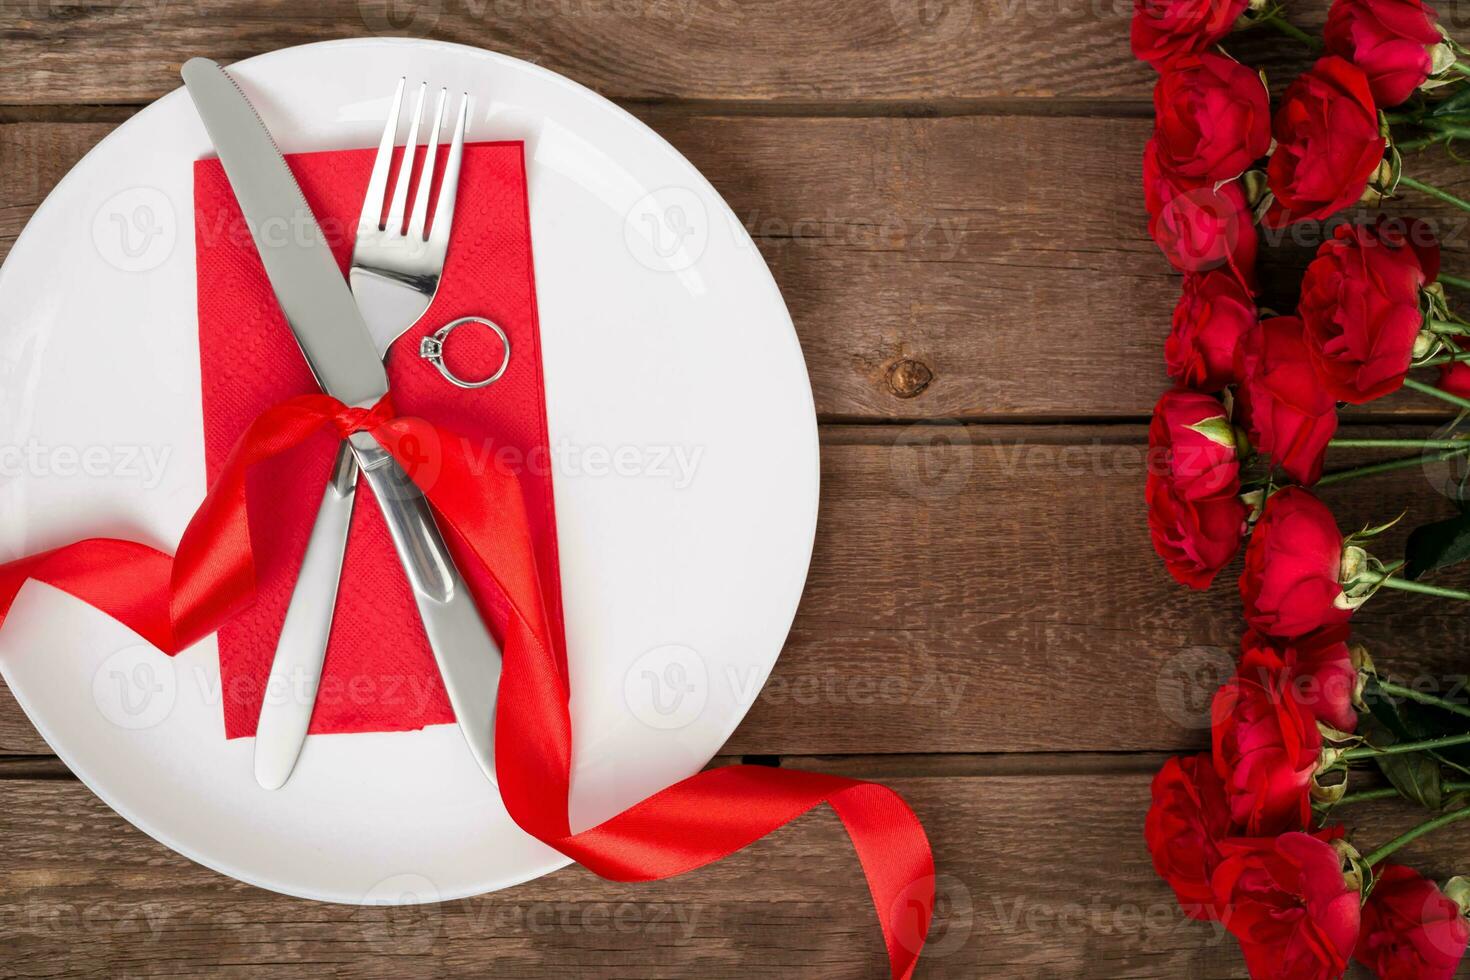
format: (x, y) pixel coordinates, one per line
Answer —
(662, 331)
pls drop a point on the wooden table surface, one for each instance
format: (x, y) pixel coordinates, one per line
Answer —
(948, 194)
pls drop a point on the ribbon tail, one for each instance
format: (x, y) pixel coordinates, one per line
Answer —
(173, 602)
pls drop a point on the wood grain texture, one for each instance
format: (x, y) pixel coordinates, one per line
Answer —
(934, 268)
(1041, 877)
(816, 51)
(81, 891)
(983, 589)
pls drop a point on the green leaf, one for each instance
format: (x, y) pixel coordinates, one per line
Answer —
(1437, 545)
(1217, 429)
(1415, 775)
(1458, 102)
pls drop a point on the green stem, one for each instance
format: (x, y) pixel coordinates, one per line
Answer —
(1291, 30)
(1384, 580)
(1461, 67)
(1399, 691)
(1369, 795)
(1388, 793)
(1434, 392)
(1389, 466)
(1405, 146)
(1454, 281)
(1449, 328)
(1444, 196)
(1444, 359)
(1404, 748)
(1426, 827)
(1452, 127)
(1400, 443)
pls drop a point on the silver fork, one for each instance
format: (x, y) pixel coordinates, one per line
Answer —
(394, 275)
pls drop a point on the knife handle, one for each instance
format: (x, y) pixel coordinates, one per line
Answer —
(467, 655)
(296, 671)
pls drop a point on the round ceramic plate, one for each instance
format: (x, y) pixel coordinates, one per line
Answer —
(662, 331)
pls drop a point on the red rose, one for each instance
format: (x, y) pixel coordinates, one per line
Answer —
(1196, 518)
(1198, 225)
(1266, 746)
(1290, 905)
(1455, 378)
(1360, 304)
(1185, 825)
(1212, 314)
(1290, 583)
(1390, 40)
(1196, 538)
(1289, 415)
(1319, 670)
(1191, 444)
(1411, 931)
(1165, 28)
(1212, 117)
(1328, 143)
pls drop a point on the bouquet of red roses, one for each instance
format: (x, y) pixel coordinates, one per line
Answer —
(1243, 833)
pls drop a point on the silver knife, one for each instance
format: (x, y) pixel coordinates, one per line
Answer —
(340, 351)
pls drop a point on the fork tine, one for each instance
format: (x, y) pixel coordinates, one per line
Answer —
(405, 168)
(444, 209)
(377, 190)
(426, 176)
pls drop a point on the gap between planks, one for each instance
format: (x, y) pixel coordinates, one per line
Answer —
(898, 766)
(116, 112)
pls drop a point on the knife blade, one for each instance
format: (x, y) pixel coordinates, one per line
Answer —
(324, 317)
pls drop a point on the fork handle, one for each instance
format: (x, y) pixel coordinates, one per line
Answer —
(296, 670)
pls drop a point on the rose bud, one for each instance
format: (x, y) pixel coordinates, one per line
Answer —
(1290, 585)
(1195, 538)
(1395, 42)
(1361, 305)
(1281, 403)
(1318, 667)
(1185, 824)
(1266, 746)
(1198, 225)
(1455, 378)
(1291, 905)
(1212, 117)
(1163, 29)
(1213, 313)
(1328, 144)
(1411, 930)
(1192, 444)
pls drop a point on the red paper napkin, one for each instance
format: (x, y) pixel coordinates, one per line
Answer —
(379, 673)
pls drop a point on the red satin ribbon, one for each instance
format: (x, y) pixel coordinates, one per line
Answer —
(174, 602)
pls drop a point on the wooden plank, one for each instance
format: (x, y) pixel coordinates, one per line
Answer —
(824, 51)
(992, 589)
(83, 892)
(977, 267)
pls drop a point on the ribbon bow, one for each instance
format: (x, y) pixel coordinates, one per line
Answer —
(172, 602)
